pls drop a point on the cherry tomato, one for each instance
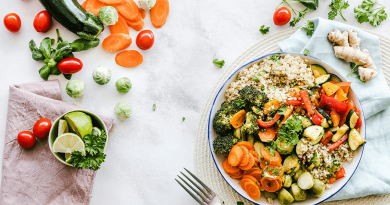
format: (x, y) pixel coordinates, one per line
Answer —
(145, 39)
(42, 22)
(42, 128)
(26, 139)
(70, 65)
(282, 16)
(12, 22)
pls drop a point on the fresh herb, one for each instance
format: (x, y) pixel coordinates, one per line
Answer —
(238, 76)
(94, 152)
(274, 87)
(154, 107)
(310, 92)
(274, 58)
(297, 19)
(336, 162)
(282, 110)
(255, 78)
(314, 157)
(264, 30)
(52, 53)
(220, 63)
(306, 52)
(183, 119)
(331, 175)
(291, 130)
(337, 6)
(354, 68)
(275, 172)
(265, 71)
(262, 88)
(367, 13)
(272, 147)
(317, 85)
(240, 103)
(240, 203)
(293, 84)
(308, 27)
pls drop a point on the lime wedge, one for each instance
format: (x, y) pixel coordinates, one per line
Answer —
(96, 132)
(67, 143)
(80, 123)
(67, 158)
(62, 127)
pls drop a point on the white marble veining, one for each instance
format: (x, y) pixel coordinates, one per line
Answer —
(146, 152)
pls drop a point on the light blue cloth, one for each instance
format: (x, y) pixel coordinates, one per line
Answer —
(373, 173)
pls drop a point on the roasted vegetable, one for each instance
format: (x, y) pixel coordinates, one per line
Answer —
(251, 127)
(297, 193)
(221, 121)
(285, 197)
(223, 144)
(254, 96)
(318, 188)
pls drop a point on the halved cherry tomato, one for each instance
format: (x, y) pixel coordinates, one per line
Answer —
(26, 139)
(145, 39)
(70, 65)
(282, 16)
(42, 128)
(12, 22)
(42, 22)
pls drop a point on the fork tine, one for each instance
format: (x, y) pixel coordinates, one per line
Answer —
(193, 189)
(200, 182)
(188, 191)
(197, 186)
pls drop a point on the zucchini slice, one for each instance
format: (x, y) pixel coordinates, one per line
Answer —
(321, 70)
(314, 133)
(333, 129)
(306, 122)
(335, 78)
(326, 116)
(322, 79)
(340, 133)
(355, 139)
(305, 181)
(352, 119)
(324, 123)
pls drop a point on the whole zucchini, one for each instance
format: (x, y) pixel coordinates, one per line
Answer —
(74, 17)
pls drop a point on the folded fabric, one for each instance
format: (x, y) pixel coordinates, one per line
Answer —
(372, 176)
(35, 176)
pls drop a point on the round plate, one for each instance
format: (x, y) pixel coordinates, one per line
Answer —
(350, 167)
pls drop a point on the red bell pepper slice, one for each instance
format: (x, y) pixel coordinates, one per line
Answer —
(340, 174)
(328, 137)
(306, 100)
(331, 180)
(316, 119)
(338, 106)
(322, 103)
(357, 111)
(338, 143)
(269, 123)
(358, 123)
(318, 114)
(294, 102)
(350, 105)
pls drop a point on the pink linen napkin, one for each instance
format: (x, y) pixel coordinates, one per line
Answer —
(34, 176)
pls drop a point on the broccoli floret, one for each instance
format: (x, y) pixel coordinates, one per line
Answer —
(223, 144)
(221, 122)
(254, 96)
(251, 127)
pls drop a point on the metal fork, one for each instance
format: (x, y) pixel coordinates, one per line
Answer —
(206, 195)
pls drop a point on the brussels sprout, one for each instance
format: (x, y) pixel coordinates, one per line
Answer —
(290, 163)
(287, 180)
(123, 110)
(96, 131)
(146, 4)
(298, 193)
(123, 85)
(271, 195)
(283, 147)
(108, 15)
(101, 75)
(305, 181)
(318, 188)
(297, 175)
(75, 88)
(285, 197)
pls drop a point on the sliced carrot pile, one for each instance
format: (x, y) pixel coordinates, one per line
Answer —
(112, 2)
(84, 5)
(120, 26)
(129, 10)
(129, 58)
(136, 25)
(159, 13)
(250, 163)
(273, 160)
(238, 119)
(235, 156)
(267, 135)
(246, 144)
(143, 13)
(229, 168)
(116, 42)
(269, 185)
(94, 6)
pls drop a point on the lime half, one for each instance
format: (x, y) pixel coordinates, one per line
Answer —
(62, 127)
(68, 158)
(67, 143)
(79, 122)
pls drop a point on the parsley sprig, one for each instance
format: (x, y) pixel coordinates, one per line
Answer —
(218, 63)
(306, 52)
(274, 58)
(272, 147)
(308, 27)
(337, 6)
(367, 13)
(290, 131)
(264, 29)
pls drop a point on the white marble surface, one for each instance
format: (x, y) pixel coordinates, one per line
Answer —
(146, 152)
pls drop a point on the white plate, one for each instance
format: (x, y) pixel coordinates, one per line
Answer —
(350, 167)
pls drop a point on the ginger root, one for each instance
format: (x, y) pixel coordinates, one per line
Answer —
(348, 48)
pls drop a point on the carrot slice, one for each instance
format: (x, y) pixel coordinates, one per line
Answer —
(274, 160)
(253, 190)
(267, 135)
(159, 13)
(120, 26)
(112, 2)
(116, 42)
(254, 153)
(228, 168)
(237, 175)
(235, 156)
(245, 159)
(129, 58)
(246, 144)
(273, 172)
(249, 177)
(263, 163)
(249, 171)
(243, 182)
(136, 25)
(84, 5)
(129, 10)
(143, 13)
(238, 119)
(94, 6)
(250, 163)
(257, 174)
(269, 185)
